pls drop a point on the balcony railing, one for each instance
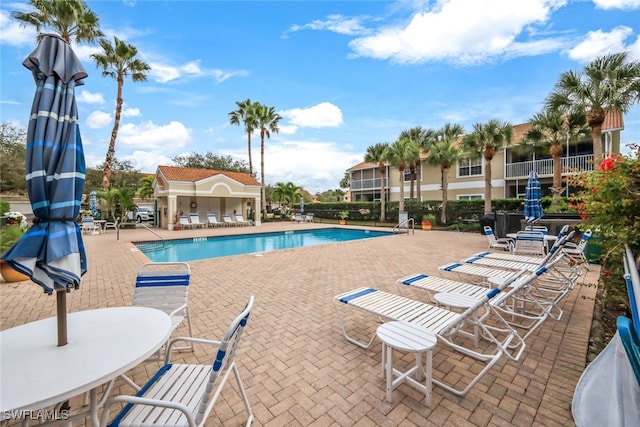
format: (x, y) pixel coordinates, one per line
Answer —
(545, 167)
(365, 184)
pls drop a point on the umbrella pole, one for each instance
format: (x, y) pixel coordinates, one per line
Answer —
(61, 303)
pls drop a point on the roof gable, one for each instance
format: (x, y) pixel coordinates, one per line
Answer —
(177, 173)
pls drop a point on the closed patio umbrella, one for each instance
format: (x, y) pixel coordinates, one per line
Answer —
(51, 252)
(533, 199)
(301, 205)
(93, 203)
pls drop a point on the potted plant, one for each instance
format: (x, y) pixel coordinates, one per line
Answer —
(343, 217)
(16, 224)
(428, 220)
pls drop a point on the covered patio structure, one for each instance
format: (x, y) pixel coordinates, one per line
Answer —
(184, 191)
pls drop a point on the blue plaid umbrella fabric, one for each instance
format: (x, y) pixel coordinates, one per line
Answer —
(93, 203)
(51, 252)
(533, 199)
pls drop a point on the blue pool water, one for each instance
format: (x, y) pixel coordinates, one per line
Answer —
(213, 247)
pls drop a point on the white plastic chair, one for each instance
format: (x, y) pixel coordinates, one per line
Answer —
(90, 226)
(181, 394)
(113, 225)
(497, 243)
(165, 286)
(529, 242)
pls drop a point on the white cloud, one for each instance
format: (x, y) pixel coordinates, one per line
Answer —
(158, 138)
(164, 73)
(617, 4)
(131, 112)
(462, 32)
(598, 43)
(145, 161)
(90, 98)
(314, 166)
(321, 115)
(335, 23)
(13, 34)
(634, 49)
(99, 119)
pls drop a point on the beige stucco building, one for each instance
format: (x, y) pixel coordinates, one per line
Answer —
(183, 191)
(509, 170)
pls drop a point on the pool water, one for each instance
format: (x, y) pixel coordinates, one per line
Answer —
(196, 248)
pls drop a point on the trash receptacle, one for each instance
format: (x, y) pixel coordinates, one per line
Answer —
(488, 220)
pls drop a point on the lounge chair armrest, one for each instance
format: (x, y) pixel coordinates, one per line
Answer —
(134, 400)
(191, 340)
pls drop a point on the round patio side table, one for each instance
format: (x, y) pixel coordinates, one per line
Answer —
(407, 337)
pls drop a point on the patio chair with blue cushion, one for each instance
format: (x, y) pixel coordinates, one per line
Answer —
(185, 394)
(165, 286)
(228, 221)
(450, 327)
(497, 243)
(529, 243)
(241, 221)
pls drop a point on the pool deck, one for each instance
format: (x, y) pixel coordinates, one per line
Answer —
(297, 367)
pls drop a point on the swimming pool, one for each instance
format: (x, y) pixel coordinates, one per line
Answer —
(196, 248)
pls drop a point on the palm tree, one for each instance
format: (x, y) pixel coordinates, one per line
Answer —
(286, 193)
(416, 135)
(145, 187)
(267, 121)
(245, 114)
(608, 83)
(377, 154)
(399, 154)
(70, 19)
(118, 61)
(551, 128)
(485, 139)
(443, 152)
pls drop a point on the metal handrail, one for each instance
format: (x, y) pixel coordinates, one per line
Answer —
(405, 224)
(161, 238)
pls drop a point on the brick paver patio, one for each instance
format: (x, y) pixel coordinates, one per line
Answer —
(297, 367)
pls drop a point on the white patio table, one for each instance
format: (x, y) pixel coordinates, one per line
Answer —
(36, 374)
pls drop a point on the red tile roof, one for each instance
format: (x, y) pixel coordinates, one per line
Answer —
(176, 173)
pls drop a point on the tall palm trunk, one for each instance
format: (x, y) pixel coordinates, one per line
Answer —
(556, 154)
(263, 192)
(412, 180)
(111, 151)
(445, 192)
(401, 204)
(487, 184)
(383, 202)
(249, 153)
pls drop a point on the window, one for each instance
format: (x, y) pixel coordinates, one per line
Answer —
(469, 196)
(470, 167)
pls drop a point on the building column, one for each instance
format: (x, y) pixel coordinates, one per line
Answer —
(257, 211)
(172, 211)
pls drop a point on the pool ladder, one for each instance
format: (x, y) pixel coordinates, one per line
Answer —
(159, 236)
(408, 225)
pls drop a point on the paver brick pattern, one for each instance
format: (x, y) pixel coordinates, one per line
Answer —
(297, 367)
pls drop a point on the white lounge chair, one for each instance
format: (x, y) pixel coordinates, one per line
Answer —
(524, 304)
(448, 326)
(113, 225)
(230, 222)
(497, 243)
(241, 221)
(184, 222)
(212, 221)
(194, 218)
(185, 394)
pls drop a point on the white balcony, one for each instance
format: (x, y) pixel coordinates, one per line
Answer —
(545, 167)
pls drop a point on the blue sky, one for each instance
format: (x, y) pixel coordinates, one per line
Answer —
(343, 74)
